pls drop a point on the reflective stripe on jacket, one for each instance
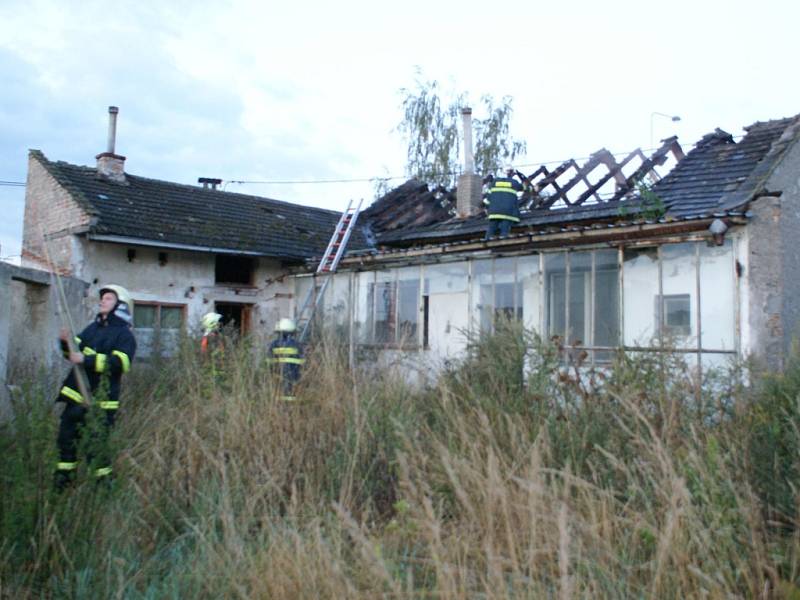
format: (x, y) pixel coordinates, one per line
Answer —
(502, 199)
(108, 348)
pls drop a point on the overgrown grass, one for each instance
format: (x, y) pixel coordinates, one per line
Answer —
(631, 482)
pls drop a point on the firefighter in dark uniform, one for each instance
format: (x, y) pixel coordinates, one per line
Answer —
(287, 356)
(105, 349)
(503, 204)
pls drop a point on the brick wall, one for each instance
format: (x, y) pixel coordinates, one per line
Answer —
(50, 208)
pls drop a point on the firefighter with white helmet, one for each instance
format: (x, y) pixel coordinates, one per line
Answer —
(211, 323)
(286, 354)
(105, 349)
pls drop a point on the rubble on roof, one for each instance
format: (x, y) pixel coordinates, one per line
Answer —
(717, 176)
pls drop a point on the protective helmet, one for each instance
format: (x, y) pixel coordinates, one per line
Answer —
(124, 308)
(286, 326)
(210, 321)
(508, 168)
(120, 292)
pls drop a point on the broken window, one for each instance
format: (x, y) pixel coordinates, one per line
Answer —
(640, 287)
(528, 291)
(482, 295)
(717, 296)
(445, 287)
(505, 296)
(679, 285)
(230, 269)
(158, 327)
(606, 302)
(555, 276)
(390, 311)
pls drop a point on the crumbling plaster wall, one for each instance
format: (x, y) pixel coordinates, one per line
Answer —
(186, 278)
(50, 208)
(29, 325)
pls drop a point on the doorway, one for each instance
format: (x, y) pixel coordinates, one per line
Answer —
(235, 316)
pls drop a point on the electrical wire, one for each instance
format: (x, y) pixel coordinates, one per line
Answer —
(12, 183)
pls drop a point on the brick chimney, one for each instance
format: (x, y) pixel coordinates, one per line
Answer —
(468, 190)
(110, 165)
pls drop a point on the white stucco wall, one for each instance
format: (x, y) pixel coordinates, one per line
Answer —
(187, 279)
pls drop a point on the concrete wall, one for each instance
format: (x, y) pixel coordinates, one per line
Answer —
(29, 325)
(187, 278)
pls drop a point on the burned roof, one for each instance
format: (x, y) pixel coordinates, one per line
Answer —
(162, 212)
(717, 176)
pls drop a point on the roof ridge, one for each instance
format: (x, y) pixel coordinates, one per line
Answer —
(189, 186)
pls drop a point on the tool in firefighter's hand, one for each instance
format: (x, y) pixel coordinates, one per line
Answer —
(62, 311)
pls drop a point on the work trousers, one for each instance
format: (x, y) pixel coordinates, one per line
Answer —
(501, 227)
(79, 426)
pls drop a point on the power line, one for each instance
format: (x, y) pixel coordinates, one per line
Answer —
(12, 183)
(395, 177)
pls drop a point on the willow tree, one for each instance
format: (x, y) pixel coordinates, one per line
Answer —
(431, 127)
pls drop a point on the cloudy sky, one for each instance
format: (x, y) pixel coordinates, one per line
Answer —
(278, 91)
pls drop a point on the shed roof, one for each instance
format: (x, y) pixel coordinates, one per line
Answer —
(163, 212)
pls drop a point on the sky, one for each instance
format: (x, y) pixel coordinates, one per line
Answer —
(304, 92)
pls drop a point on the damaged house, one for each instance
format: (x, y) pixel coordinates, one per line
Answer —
(607, 255)
(692, 261)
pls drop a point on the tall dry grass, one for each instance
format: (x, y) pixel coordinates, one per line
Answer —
(632, 482)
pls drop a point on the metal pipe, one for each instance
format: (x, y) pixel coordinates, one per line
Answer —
(112, 129)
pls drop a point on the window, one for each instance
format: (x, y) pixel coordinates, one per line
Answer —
(497, 289)
(391, 307)
(231, 269)
(677, 314)
(582, 299)
(157, 327)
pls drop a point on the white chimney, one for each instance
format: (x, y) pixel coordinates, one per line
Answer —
(109, 164)
(468, 192)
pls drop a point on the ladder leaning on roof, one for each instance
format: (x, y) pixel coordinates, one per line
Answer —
(327, 266)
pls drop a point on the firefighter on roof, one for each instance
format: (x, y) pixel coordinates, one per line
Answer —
(503, 203)
(105, 349)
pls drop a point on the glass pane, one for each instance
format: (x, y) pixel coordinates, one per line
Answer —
(504, 276)
(640, 290)
(171, 317)
(555, 281)
(364, 305)
(717, 297)
(606, 298)
(385, 298)
(528, 290)
(580, 286)
(482, 296)
(408, 306)
(446, 278)
(337, 300)
(144, 316)
(301, 287)
(678, 308)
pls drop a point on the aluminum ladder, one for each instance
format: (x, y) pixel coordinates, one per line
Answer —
(327, 266)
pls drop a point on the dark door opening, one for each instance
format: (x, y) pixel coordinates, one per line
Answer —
(234, 316)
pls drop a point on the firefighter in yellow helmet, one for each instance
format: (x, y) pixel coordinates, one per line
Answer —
(211, 323)
(105, 349)
(285, 352)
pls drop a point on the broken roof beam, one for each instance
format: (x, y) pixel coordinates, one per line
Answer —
(551, 180)
(614, 170)
(658, 158)
(601, 157)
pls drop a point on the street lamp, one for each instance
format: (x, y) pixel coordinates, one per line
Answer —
(673, 118)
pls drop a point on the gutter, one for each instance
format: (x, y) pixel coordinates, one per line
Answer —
(131, 241)
(540, 240)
